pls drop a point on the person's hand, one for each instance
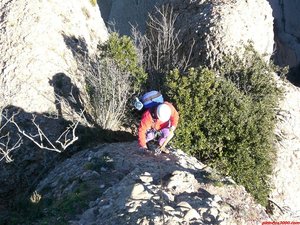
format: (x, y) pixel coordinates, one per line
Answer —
(172, 129)
(143, 148)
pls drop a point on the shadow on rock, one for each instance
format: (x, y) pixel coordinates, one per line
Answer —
(30, 162)
(143, 188)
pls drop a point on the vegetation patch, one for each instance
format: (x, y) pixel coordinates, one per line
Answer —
(227, 118)
(113, 75)
(51, 211)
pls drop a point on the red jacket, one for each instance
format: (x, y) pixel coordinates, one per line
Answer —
(148, 122)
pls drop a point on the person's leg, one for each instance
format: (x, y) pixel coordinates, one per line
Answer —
(150, 135)
(164, 134)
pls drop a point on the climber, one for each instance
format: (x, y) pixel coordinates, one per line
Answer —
(158, 124)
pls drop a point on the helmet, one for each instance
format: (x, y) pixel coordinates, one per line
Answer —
(163, 112)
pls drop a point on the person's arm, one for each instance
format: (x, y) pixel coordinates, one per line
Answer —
(145, 125)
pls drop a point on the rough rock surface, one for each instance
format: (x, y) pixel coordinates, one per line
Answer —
(216, 26)
(287, 31)
(221, 26)
(286, 176)
(139, 188)
(121, 14)
(36, 39)
(36, 42)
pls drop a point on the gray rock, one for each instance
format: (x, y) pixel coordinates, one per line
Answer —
(146, 178)
(287, 32)
(192, 214)
(184, 206)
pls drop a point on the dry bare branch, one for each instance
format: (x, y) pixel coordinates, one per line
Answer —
(5, 148)
(43, 142)
(160, 49)
(5, 142)
(109, 89)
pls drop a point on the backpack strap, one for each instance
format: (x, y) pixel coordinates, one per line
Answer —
(152, 97)
(153, 115)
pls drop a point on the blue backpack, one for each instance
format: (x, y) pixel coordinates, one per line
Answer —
(149, 100)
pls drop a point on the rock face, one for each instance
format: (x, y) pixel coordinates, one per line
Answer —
(287, 169)
(138, 188)
(287, 34)
(36, 42)
(217, 27)
(287, 31)
(121, 14)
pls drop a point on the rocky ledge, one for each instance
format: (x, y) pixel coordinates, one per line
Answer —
(128, 186)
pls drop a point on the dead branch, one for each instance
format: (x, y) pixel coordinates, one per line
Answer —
(43, 142)
(5, 142)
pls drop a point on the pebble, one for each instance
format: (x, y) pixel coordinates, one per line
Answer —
(184, 206)
(192, 214)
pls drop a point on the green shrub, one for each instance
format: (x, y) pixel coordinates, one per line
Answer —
(227, 119)
(124, 54)
(113, 76)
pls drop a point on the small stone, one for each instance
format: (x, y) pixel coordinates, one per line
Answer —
(146, 178)
(223, 216)
(202, 210)
(156, 197)
(167, 196)
(184, 206)
(217, 198)
(192, 214)
(214, 212)
(214, 204)
(223, 223)
(137, 190)
(225, 208)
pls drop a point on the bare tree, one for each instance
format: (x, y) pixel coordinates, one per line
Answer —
(160, 48)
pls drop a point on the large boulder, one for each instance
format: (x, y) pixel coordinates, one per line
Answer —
(217, 27)
(36, 42)
(220, 27)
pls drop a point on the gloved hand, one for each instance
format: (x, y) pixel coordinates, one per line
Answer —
(157, 151)
(172, 129)
(143, 148)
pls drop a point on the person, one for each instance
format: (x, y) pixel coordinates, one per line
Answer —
(158, 122)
